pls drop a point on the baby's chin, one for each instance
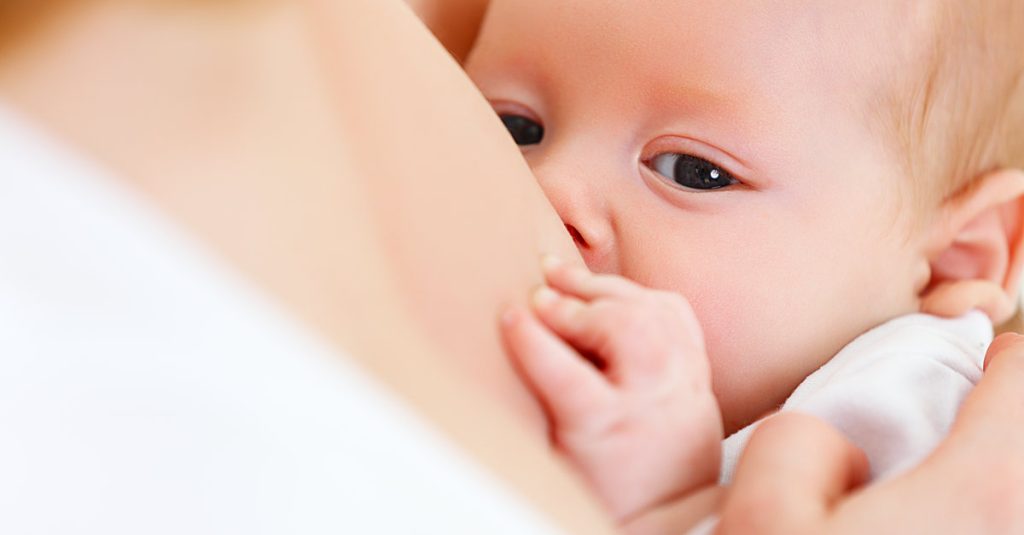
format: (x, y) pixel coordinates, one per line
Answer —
(747, 394)
(738, 413)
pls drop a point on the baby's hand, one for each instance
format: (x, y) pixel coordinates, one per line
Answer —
(624, 377)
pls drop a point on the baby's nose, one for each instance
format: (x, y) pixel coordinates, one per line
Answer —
(577, 238)
(595, 242)
(581, 198)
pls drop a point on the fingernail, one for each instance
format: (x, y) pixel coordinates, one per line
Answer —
(544, 296)
(1002, 343)
(550, 262)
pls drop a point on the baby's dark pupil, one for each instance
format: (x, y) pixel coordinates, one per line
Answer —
(698, 173)
(524, 131)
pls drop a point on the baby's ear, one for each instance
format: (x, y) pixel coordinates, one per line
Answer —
(978, 249)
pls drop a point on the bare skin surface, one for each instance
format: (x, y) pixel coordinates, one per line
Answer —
(245, 127)
(354, 205)
(454, 22)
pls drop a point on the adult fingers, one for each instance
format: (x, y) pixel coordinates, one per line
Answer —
(994, 412)
(974, 481)
(568, 386)
(1003, 342)
(982, 452)
(791, 473)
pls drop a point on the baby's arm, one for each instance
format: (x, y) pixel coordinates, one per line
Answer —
(623, 374)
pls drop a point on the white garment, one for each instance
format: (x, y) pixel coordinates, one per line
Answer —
(894, 391)
(145, 388)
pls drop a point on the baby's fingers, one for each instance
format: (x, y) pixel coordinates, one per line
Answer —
(569, 317)
(580, 282)
(569, 387)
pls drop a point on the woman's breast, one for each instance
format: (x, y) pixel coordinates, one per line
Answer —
(460, 218)
(335, 156)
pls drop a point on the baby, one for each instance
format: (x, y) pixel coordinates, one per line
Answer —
(822, 181)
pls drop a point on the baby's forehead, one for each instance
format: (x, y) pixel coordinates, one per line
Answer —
(843, 39)
(779, 52)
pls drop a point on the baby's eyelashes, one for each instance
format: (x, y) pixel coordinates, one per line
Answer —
(679, 168)
(525, 131)
(690, 172)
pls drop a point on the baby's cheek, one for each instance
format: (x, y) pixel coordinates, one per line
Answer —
(761, 346)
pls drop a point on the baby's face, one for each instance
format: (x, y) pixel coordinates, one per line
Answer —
(723, 150)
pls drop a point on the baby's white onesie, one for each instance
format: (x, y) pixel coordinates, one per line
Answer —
(894, 391)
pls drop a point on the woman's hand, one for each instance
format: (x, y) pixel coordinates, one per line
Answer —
(798, 474)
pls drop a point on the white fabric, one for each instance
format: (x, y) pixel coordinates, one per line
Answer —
(894, 391)
(144, 388)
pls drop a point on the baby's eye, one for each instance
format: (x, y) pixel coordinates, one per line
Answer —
(690, 171)
(524, 131)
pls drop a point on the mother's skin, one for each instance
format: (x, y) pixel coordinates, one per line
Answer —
(333, 154)
(393, 214)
